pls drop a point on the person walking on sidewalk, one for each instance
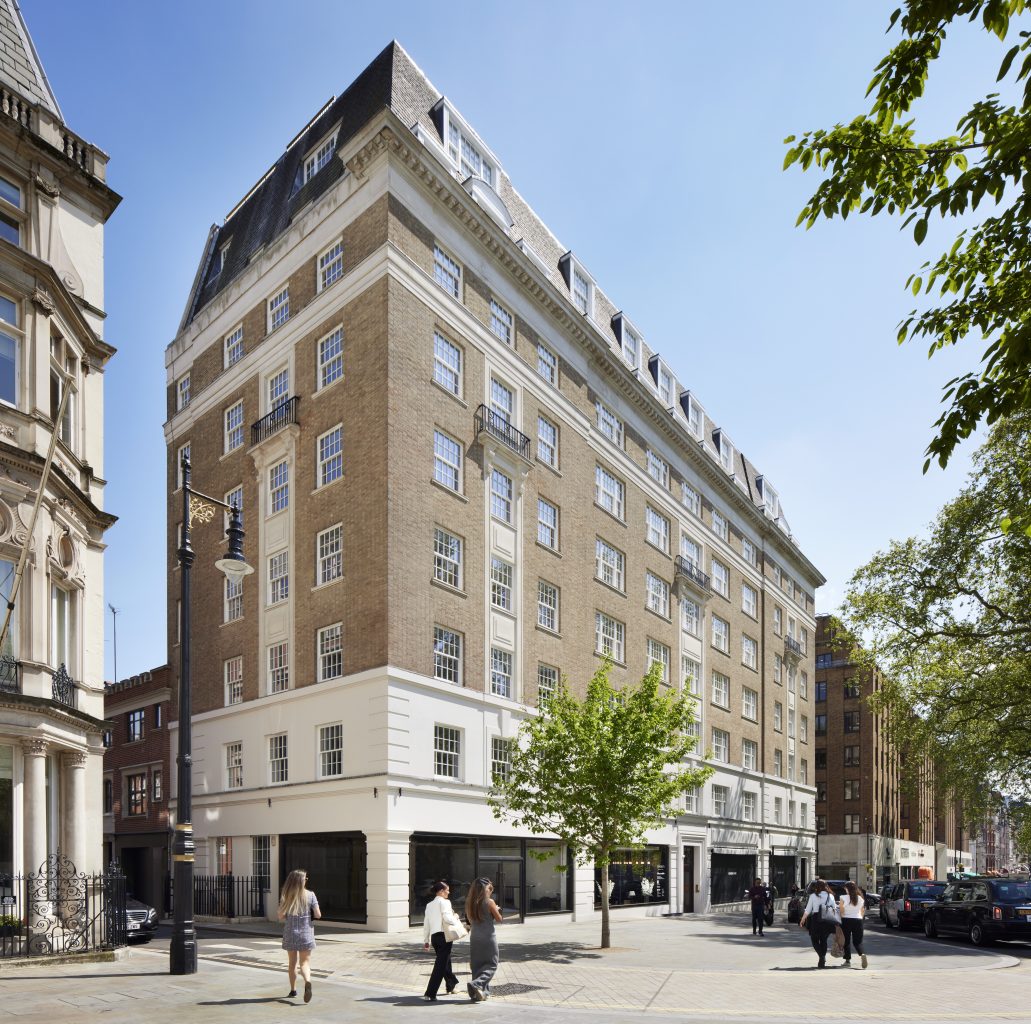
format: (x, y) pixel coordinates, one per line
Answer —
(298, 908)
(820, 928)
(853, 906)
(439, 913)
(482, 913)
(759, 895)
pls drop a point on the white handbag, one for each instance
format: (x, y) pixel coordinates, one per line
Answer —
(454, 930)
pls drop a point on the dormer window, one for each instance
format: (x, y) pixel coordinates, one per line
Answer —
(695, 414)
(770, 500)
(466, 150)
(579, 282)
(725, 449)
(629, 340)
(665, 383)
(219, 260)
(320, 156)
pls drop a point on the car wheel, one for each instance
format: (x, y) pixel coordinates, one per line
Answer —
(930, 928)
(978, 936)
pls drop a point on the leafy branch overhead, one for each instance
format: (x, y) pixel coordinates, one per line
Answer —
(878, 163)
(948, 619)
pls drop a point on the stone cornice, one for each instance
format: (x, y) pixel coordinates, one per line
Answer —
(394, 138)
(48, 709)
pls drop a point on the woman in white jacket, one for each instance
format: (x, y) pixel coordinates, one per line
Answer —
(438, 912)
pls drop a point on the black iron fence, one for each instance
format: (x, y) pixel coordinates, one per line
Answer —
(59, 910)
(225, 895)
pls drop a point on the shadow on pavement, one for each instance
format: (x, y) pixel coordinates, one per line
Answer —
(549, 952)
(240, 1002)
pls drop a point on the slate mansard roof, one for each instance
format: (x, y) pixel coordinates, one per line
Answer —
(393, 80)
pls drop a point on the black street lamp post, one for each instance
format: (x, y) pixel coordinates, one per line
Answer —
(182, 956)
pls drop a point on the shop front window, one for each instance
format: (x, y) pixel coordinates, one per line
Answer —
(636, 877)
(732, 874)
(547, 877)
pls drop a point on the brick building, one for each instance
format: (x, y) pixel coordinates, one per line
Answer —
(54, 203)
(136, 775)
(874, 825)
(463, 473)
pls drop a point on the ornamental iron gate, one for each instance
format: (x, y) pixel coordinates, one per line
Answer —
(58, 910)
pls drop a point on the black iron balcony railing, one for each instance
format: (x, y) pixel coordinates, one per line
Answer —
(689, 571)
(792, 648)
(489, 422)
(10, 674)
(63, 690)
(274, 421)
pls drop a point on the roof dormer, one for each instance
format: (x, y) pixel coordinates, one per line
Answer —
(724, 449)
(580, 284)
(629, 338)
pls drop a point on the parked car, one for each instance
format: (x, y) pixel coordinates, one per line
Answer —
(882, 909)
(873, 901)
(141, 921)
(904, 907)
(983, 909)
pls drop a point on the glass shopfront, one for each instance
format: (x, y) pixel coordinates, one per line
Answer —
(730, 876)
(525, 873)
(782, 873)
(336, 866)
(636, 876)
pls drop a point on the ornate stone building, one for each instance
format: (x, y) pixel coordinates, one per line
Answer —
(464, 472)
(54, 202)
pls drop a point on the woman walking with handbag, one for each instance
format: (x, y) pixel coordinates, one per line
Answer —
(298, 908)
(441, 927)
(821, 915)
(482, 913)
(852, 907)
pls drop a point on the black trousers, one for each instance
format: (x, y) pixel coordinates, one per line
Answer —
(757, 917)
(441, 965)
(853, 929)
(818, 937)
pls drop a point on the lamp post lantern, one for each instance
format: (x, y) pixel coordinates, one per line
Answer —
(182, 954)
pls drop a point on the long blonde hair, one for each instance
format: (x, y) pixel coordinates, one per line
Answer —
(293, 897)
(476, 900)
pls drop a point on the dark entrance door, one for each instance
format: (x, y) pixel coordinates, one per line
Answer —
(507, 876)
(689, 882)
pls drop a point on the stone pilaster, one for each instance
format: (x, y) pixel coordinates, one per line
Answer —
(387, 857)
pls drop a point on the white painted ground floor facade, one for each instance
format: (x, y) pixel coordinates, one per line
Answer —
(375, 784)
(874, 860)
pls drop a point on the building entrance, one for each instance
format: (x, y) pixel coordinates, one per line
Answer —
(689, 879)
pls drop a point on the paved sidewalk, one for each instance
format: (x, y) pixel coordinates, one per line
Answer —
(691, 969)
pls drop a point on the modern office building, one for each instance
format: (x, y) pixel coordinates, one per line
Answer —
(54, 203)
(876, 824)
(464, 473)
(135, 794)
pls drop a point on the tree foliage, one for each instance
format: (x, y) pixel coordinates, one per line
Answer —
(598, 772)
(878, 163)
(948, 619)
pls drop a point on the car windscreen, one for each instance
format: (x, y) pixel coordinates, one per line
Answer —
(926, 891)
(1012, 892)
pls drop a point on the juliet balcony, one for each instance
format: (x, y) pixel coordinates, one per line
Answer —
(274, 421)
(688, 574)
(792, 651)
(497, 428)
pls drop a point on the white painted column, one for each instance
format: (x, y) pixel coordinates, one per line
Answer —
(34, 803)
(583, 891)
(387, 871)
(73, 813)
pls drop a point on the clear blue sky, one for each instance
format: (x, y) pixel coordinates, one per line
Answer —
(650, 139)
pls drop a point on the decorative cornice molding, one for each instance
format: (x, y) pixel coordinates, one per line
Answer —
(47, 187)
(43, 301)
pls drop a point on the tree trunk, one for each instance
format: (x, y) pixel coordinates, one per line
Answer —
(606, 940)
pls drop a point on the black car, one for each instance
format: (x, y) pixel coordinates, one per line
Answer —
(882, 901)
(141, 921)
(983, 909)
(905, 905)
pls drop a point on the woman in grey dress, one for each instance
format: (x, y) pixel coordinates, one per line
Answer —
(298, 908)
(482, 913)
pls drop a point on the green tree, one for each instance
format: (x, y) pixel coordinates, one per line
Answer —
(948, 619)
(878, 162)
(598, 772)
